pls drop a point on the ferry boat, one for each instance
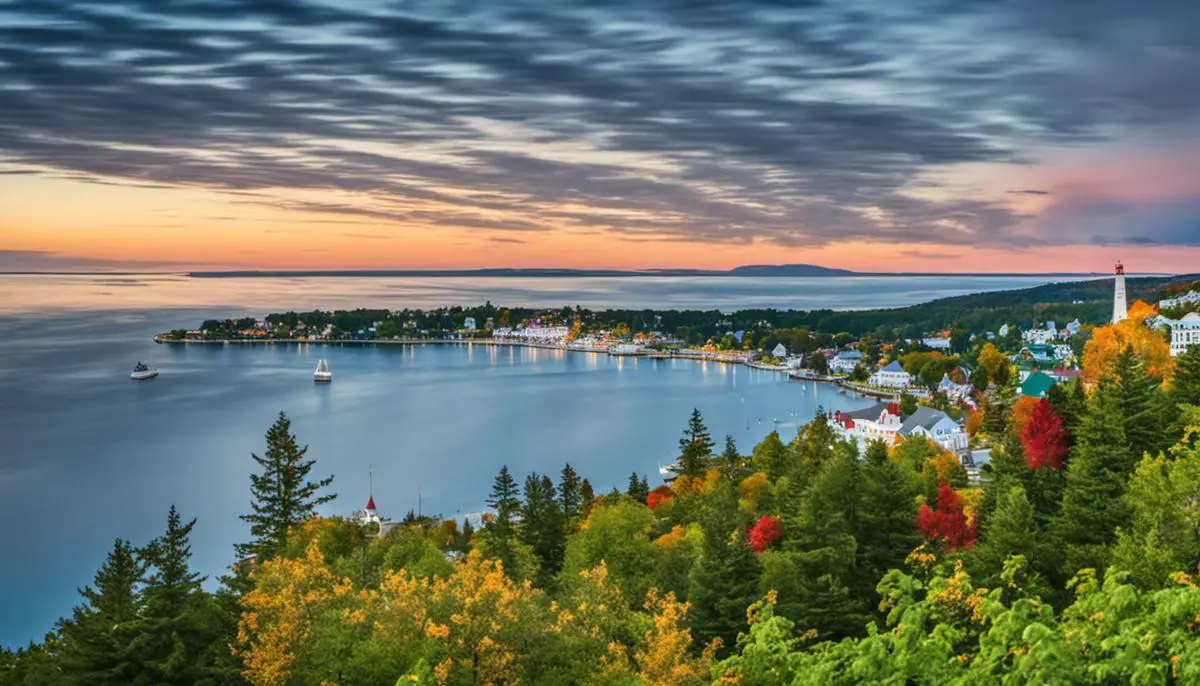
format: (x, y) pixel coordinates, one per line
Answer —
(141, 372)
(322, 375)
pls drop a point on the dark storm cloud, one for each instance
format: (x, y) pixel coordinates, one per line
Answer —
(796, 123)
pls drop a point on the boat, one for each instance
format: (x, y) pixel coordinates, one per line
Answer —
(322, 375)
(141, 372)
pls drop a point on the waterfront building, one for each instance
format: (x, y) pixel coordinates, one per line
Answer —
(1120, 308)
(845, 361)
(882, 422)
(892, 376)
(936, 343)
(469, 324)
(1185, 333)
(780, 351)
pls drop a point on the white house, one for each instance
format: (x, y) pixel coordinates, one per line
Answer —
(1039, 336)
(469, 323)
(892, 376)
(779, 351)
(938, 427)
(1185, 333)
(878, 422)
(1003, 330)
(1185, 299)
(845, 361)
(953, 390)
(936, 343)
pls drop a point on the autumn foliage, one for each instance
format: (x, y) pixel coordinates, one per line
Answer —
(948, 522)
(1022, 411)
(659, 496)
(1110, 341)
(1044, 438)
(765, 531)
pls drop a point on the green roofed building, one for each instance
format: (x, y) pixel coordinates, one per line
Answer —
(1037, 385)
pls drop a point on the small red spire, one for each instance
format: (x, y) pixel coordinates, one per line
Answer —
(1120, 267)
(371, 504)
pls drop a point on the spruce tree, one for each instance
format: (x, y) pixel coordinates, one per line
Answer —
(725, 582)
(568, 492)
(1011, 530)
(1093, 507)
(1185, 383)
(638, 489)
(886, 531)
(695, 447)
(98, 638)
(171, 582)
(1141, 407)
(283, 497)
(731, 462)
(542, 526)
(586, 494)
(500, 532)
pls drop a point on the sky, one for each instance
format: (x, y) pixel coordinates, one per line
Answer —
(924, 135)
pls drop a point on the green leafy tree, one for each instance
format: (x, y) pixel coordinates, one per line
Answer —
(770, 456)
(695, 448)
(617, 534)
(283, 496)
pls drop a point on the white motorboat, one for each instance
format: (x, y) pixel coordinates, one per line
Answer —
(322, 375)
(141, 372)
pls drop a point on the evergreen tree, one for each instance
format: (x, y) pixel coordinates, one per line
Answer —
(731, 462)
(568, 492)
(586, 494)
(770, 456)
(908, 404)
(695, 448)
(171, 583)
(1185, 384)
(283, 497)
(500, 533)
(1011, 530)
(639, 488)
(1141, 407)
(886, 530)
(813, 448)
(1093, 507)
(97, 639)
(542, 526)
(725, 581)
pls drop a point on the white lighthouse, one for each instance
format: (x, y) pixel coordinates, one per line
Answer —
(1120, 309)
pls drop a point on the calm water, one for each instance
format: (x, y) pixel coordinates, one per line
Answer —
(89, 455)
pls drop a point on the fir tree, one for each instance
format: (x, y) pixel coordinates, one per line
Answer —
(504, 498)
(97, 639)
(770, 456)
(1141, 407)
(586, 494)
(1185, 384)
(568, 492)
(283, 497)
(639, 488)
(1011, 530)
(731, 462)
(1093, 507)
(171, 582)
(725, 581)
(542, 526)
(695, 448)
(886, 531)
(501, 541)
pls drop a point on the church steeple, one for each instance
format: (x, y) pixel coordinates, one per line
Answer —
(1120, 307)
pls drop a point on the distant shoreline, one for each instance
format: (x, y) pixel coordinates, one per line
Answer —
(602, 273)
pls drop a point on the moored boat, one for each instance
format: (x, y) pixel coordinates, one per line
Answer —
(141, 372)
(322, 375)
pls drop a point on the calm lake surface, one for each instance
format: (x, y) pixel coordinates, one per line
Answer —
(89, 455)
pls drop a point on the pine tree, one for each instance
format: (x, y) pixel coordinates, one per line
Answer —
(820, 550)
(1011, 530)
(171, 583)
(1185, 384)
(1093, 506)
(1141, 407)
(695, 448)
(283, 497)
(97, 639)
(504, 498)
(725, 582)
(639, 488)
(568, 493)
(770, 456)
(586, 494)
(886, 531)
(542, 526)
(731, 462)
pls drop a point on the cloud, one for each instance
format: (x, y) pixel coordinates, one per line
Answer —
(41, 261)
(505, 239)
(796, 124)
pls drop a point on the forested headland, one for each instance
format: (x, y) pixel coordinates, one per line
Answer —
(801, 560)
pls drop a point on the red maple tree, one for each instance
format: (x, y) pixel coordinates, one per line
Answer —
(1044, 438)
(658, 496)
(765, 531)
(948, 522)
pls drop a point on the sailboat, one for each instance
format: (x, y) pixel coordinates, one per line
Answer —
(322, 375)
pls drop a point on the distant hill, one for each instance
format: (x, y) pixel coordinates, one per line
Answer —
(787, 270)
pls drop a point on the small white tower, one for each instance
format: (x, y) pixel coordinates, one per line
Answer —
(1120, 308)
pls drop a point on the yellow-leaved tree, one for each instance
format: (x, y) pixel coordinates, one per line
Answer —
(1109, 341)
